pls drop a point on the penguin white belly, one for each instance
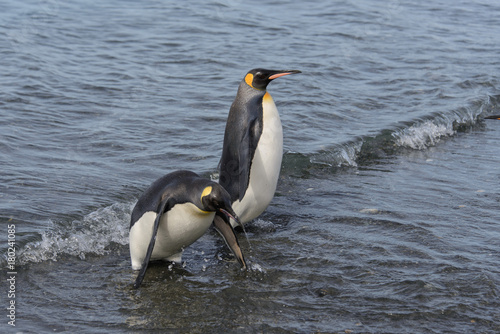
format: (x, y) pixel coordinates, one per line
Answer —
(265, 168)
(179, 227)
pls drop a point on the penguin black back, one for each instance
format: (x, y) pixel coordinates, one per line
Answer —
(173, 183)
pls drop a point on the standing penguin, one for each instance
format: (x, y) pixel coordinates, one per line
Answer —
(253, 146)
(175, 211)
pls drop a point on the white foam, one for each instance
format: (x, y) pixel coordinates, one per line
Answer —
(263, 225)
(256, 267)
(423, 135)
(91, 235)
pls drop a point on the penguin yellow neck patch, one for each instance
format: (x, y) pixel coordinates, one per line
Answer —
(249, 79)
(267, 97)
(206, 192)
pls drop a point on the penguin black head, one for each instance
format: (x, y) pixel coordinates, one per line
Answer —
(215, 198)
(259, 78)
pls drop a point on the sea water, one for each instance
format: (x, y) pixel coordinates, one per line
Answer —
(386, 214)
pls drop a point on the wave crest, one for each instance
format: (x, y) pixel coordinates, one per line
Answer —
(91, 235)
(423, 135)
(418, 134)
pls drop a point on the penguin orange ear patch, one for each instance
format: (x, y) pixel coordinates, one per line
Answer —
(249, 79)
(206, 191)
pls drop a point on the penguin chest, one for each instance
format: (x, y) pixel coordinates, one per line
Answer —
(265, 167)
(179, 227)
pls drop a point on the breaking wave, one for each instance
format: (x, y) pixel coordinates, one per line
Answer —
(423, 135)
(418, 134)
(94, 234)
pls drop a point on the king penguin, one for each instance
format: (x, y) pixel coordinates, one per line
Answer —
(175, 211)
(253, 146)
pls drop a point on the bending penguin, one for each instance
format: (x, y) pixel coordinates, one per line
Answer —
(175, 211)
(253, 146)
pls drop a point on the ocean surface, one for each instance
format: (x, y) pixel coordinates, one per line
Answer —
(386, 216)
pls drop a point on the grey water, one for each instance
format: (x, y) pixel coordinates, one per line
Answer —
(386, 216)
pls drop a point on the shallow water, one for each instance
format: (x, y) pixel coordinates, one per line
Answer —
(386, 215)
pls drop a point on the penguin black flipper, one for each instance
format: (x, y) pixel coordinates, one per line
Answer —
(247, 148)
(223, 226)
(163, 207)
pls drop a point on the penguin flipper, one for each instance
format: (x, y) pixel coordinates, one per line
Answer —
(161, 209)
(247, 149)
(223, 226)
(244, 165)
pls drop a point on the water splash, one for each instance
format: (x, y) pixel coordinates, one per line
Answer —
(91, 235)
(255, 267)
(246, 236)
(423, 135)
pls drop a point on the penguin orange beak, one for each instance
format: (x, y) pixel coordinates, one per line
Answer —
(283, 73)
(493, 117)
